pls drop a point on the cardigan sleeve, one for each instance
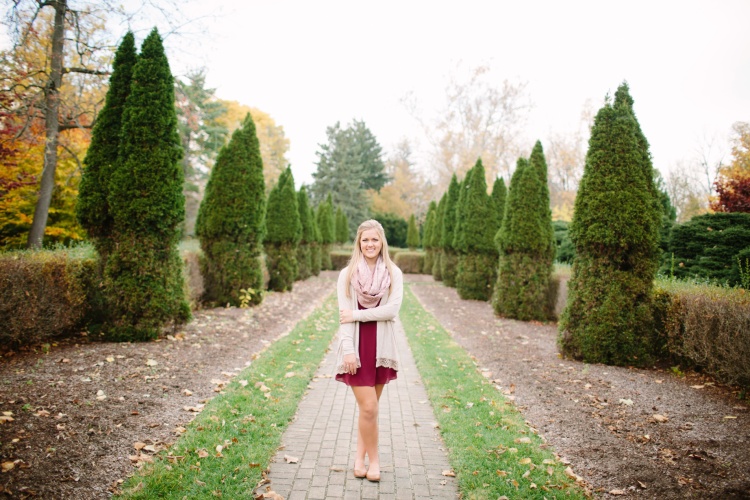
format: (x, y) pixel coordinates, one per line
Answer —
(388, 311)
(346, 330)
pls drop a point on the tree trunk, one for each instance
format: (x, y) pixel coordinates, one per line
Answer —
(52, 127)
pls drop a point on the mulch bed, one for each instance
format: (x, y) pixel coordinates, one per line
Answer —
(78, 409)
(626, 431)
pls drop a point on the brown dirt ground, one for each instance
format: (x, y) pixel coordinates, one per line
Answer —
(601, 418)
(68, 440)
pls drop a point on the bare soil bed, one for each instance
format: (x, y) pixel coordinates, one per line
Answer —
(626, 431)
(71, 415)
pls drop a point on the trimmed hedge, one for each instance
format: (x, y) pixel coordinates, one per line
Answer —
(705, 327)
(339, 259)
(46, 294)
(410, 262)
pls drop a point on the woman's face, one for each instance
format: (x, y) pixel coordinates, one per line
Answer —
(370, 244)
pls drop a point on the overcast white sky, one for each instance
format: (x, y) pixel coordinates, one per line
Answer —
(312, 63)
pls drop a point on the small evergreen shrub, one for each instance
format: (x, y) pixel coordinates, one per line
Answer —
(429, 228)
(327, 229)
(304, 249)
(395, 228)
(339, 259)
(412, 234)
(283, 234)
(449, 258)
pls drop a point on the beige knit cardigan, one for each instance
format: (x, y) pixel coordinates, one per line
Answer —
(385, 314)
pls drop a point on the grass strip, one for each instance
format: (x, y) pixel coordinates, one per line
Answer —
(492, 450)
(232, 441)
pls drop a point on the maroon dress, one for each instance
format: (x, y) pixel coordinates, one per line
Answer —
(368, 374)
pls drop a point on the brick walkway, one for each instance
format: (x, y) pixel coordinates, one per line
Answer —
(323, 437)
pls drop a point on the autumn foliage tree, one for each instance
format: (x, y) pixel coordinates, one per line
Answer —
(231, 221)
(143, 275)
(283, 233)
(733, 183)
(615, 229)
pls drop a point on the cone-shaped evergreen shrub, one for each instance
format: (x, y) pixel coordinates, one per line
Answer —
(526, 249)
(477, 261)
(327, 228)
(429, 229)
(304, 249)
(449, 258)
(315, 245)
(615, 229)
(437, 239)
(143, 274)
(92, 207)
(412, 234)
(499, 195)
(283, 233)
(342, 227)
(231, 221)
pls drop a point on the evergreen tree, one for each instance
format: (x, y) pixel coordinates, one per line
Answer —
(412, 234)
(342, 227)
(92, 208)
(437, 239)
(429, 229)
(304, 249)
(449, 258)
(474, 238)
(283, 233)
(526, 243)
(615, 229)
(231, 220)
(315, 245)
(327, 231)
(499, 195)
(143, 274)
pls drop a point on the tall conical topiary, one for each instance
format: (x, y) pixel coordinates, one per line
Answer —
(437, 239)
(429, 228)
(143, 274)
(231, 221)
(474, 239)
(327, 229)
(525, 263)
(615, 230)
(315, 245)
(449, 258)
(304, 249)
(412, 233)
(499, 195)
(539, 163)
(342, 227)
(283, 233)
(92, 207)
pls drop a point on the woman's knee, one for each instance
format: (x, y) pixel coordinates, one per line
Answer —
(369, 409)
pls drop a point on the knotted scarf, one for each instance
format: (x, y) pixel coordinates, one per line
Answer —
(370, 286)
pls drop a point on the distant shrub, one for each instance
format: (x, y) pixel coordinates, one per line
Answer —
(339, 259)
(410, 262)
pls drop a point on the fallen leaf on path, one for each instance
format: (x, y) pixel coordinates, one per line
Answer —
(151, 362)
(730, 417)
(138, 445)
(42, 413)
(697, 386)
(290, 459)
(7, 466)
(336, 468)
(659, 418)
(449, 473)
(618, 492)
(5, 418)
(110, 359)
(187, 392)
(627, 402)
(179, 430)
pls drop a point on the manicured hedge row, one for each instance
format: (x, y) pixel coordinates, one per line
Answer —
(46, 294)
(409, 262)
(705, 327)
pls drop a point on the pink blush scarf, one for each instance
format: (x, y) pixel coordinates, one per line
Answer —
(370, 286)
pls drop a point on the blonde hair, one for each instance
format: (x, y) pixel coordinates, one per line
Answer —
(357, 251)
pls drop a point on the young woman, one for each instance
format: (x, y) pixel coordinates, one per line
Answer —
(370, 290)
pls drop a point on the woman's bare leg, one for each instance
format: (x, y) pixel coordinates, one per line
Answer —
(367, 437)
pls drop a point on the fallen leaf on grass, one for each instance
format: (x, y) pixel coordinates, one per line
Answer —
(179, 430)
(548, 461)
(289, 375)
(199, 482)
(243, 383)
(290, 459)
(525, 440)
(449, 473)
(501, 473)
(202, 453)
(524, 461)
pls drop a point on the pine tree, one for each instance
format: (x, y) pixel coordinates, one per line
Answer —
(474, 238)
(499, 195)
(92, 207)
(304, 250)
(143, 274)
(231, 221)
(429, 228)
(283, 233)
(324, 218)
(449, 259)
(437, 238)
(315, 246)
(615, 229)
(412, 234)
(527, 244)
(342, 227)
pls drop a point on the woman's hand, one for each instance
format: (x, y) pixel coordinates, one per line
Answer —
(350, 363)
(345, 316)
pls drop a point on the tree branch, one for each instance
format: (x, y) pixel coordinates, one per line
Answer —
(86, 71)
